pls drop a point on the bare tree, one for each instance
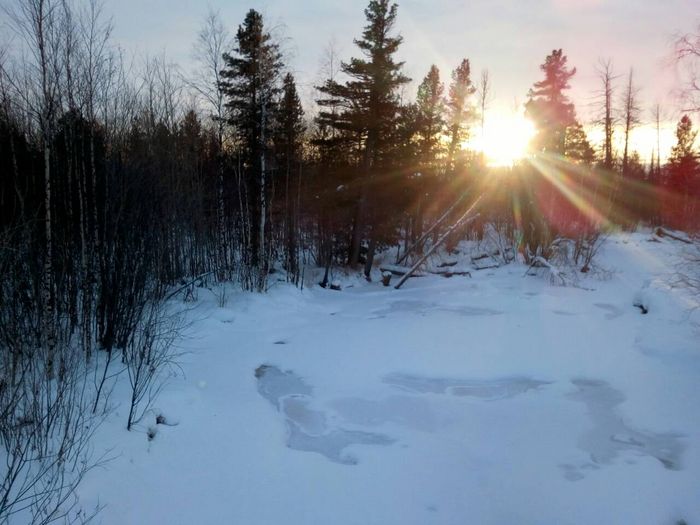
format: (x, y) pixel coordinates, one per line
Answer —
(656, 170)
(630, 117)
(484, 96)
(94, 33)
(605, 95)
(688, 56)
(213, 40)
(45, 424)
(38, 24)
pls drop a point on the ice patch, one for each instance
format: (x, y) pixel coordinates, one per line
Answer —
(274, 384)
(611, 436)
(333, 443)
(424, 307)
(308, 429)
(406, 411)
(489, 390)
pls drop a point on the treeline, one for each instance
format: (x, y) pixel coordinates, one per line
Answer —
(123, 185)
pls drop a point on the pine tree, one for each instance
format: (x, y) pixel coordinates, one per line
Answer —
(431, 115)
(290, 124)
(683, 162)
(368, 103)
(458, 107)
(576, 145)
(288, 143)
(429, 129)
(684, 171)
(251, 86)
(548, 107)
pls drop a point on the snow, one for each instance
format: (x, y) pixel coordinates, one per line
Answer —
(495, 399)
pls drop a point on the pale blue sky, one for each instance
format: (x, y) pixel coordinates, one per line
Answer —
(509, 37)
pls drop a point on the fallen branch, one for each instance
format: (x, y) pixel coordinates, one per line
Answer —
(662, 232)
(464, 219)
(395, 269)
(186, 285)
(541, 262)
(452, 273)
(430, 230)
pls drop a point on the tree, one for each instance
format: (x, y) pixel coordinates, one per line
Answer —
(630, 118)
(576, 145)
(683, 172)
(368, 103)
(459, 111)
(212, 42)
(250, 82)
(431, 114)
(484, 91)
(430, 124)
(607, 118)
(288, 142)
(655, 171)
(548, 107)
(688, 56)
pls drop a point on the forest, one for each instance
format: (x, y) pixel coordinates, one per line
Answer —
(127, 183)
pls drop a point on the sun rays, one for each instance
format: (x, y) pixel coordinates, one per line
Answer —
(504, 139)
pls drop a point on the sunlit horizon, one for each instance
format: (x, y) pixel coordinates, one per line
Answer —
(507, 134)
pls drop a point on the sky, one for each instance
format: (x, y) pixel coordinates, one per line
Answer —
(510, 38)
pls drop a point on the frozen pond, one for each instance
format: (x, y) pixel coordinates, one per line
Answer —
(308, 427)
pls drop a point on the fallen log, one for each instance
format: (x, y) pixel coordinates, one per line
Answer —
(452, 273)
(430, 230)
(663, 232)
(464, 219)
(395, 269)
(481, 264)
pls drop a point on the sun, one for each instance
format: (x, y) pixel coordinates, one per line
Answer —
(505, 138)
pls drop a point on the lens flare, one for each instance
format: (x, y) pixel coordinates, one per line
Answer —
(504, 139)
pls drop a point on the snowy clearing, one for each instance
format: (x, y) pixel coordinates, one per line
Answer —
(494, 399)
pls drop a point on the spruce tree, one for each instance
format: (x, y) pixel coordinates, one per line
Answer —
(430, 125)
(684, 173)
(548, 107)
(458, 108)
(288, 143)
(431, 116)
(576, 145)
(251, 86)
(368, 103)
(683, 162)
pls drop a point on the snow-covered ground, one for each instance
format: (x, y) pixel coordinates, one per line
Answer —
(496, 399)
